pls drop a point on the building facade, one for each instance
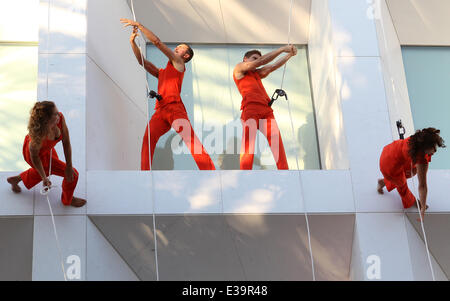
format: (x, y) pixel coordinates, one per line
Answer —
(361, 66)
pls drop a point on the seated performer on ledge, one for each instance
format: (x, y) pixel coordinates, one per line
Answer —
(256, 111)
(46, 128)
(402, 159)
(170, 110)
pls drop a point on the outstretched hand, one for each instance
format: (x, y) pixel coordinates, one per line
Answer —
(128, 22)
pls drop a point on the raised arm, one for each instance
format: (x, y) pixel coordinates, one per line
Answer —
(176, 61)
(243, 67)
(266, 70)
(152, 69)
(422, 170)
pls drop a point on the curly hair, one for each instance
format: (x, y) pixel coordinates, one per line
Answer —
(40, 115)
(423, 140)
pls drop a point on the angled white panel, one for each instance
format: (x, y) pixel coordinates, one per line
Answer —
(119, 192)
(193, 191)
(215, 21)
(328, 191)
(67, 26)
(384, 235)
(419, 258)
(110, 110)
(393, 71)
(72, 238)
(253, 191)
(15, 203)
(103, 262)
(353, 27)
(421, 22)
(109, 47)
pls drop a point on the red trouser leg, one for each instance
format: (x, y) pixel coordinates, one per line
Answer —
(31, 177)
(399, 181)
(408, 199)
(184, 128)
(269, 128)
(58, 168)
(249, 130)
(158, 127)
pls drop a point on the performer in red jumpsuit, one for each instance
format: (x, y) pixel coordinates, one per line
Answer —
(402, 159)
(170, 111)
(46, 128)
(256, 112)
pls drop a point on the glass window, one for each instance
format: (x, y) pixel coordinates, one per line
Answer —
(428, 77)
(213, 102)
(18, 77)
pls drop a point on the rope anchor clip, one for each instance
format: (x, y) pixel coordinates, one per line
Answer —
(401, 129)
(153, 94)
(276, 94)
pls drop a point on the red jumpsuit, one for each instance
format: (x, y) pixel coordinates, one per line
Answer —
(31, 176)
(170, 112)
(396, 166)
(257, 115)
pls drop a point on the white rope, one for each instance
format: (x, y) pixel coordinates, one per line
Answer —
(289, 42)
(296, 154)
(423, 228)
(149, 151)
(387, 66)
(228, 57)
(46, 190)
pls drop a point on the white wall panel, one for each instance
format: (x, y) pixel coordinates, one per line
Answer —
(115, 125)
(421, 22)
(15, 203)
(328, 191)
(328, 109)
(179, 192)
(72, 238)
(68, 25)
(258, 192)
(119, 192)
(384, 235)
(244, 21)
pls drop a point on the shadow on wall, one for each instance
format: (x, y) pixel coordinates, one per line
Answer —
(308, 151)
(163, 157)
(230, 158)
